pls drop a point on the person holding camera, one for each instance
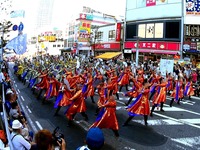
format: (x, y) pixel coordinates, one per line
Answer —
(46, 141)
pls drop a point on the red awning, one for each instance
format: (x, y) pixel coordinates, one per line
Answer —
(156, 51)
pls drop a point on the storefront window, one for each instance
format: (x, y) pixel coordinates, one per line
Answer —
(158, 30)
(141, 30)
(150, 30)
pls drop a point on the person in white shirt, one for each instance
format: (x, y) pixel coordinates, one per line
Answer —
(18, 141)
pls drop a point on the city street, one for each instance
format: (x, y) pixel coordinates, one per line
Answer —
(176, 128)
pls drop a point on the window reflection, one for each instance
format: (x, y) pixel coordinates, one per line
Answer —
(150, 30)
(141, 30)
(158, 30)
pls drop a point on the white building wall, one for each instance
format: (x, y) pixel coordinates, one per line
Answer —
(105, 31)
(137, 10)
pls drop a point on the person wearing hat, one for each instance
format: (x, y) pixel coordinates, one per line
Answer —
(94, 139)
(18, 141)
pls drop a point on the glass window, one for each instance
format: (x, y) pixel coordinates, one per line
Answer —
(158, 30)
(141, 30)
(131, 31)
(111, 35)
(150, 30)
(172, 30)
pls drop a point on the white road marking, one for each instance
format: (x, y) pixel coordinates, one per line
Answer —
(160, 122)
(177, 120)
(39, 125)
(28, 109)
(18, 90)
(192, 121)
(22, 98)
(16, 85)
(14, 81)
(190, 141)
(17, 93)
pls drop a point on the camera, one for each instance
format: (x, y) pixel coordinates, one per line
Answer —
(57, 136)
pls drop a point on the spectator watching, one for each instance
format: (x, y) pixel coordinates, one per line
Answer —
(94, 140)
(44, 141)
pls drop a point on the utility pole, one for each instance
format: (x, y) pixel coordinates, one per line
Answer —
(182, 28)
(137, 49)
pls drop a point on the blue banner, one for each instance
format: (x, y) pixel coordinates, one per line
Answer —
(18, 44)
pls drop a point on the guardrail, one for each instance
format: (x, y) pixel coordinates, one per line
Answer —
(6, 120)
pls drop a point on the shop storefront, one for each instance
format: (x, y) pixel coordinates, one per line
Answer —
(101, 48)
(151, 50)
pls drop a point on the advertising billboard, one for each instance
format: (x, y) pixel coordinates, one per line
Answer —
(84, 31)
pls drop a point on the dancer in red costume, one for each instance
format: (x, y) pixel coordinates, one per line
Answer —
(170, 82)
(90, 88)
(107, 116)
(113, 83)
(133, 93)
(141, 105)
(189, 91)
(64, 94)
(160, 95)
(177, 94)
(124, 78)
(101, 91)
(43, 84)
(52, 89)
(77, 105)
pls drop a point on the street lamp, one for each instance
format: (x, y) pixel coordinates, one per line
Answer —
(137, 49)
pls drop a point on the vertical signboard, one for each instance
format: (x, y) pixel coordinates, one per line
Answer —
(84, 31)
(118, 32)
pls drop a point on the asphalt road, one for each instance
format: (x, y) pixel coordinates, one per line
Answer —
(176, 128)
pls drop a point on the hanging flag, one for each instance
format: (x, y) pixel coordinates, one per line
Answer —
(17, 13)
(192, 7)
(18, 44)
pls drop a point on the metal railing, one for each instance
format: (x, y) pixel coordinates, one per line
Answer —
(6, 120)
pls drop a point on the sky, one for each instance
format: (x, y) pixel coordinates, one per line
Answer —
(64, 9)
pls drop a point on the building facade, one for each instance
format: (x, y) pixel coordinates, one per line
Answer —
(108, 38)
(83, 30)
(158, 27)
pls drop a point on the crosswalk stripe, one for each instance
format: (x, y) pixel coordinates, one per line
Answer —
(192, 121)
(159, 122)
(177, 120)
(189, 141)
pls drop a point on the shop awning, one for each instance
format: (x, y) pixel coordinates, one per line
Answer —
(109, 55)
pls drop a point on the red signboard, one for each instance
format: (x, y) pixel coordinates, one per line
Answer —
(193, 45)
(150, 3)
(175, 46)
(118, 32)
(107, 46)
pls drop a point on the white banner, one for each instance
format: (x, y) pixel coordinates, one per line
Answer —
(166, 65)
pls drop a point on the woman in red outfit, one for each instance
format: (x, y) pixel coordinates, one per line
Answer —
(77, 105)
(160, 95)
(188, 90)
(107, 116)
(90, 88)
(177, 94)
(124, 78)
(43, 84)
(52, 90)
(141, 105)
(64, 94)
(170, 83)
